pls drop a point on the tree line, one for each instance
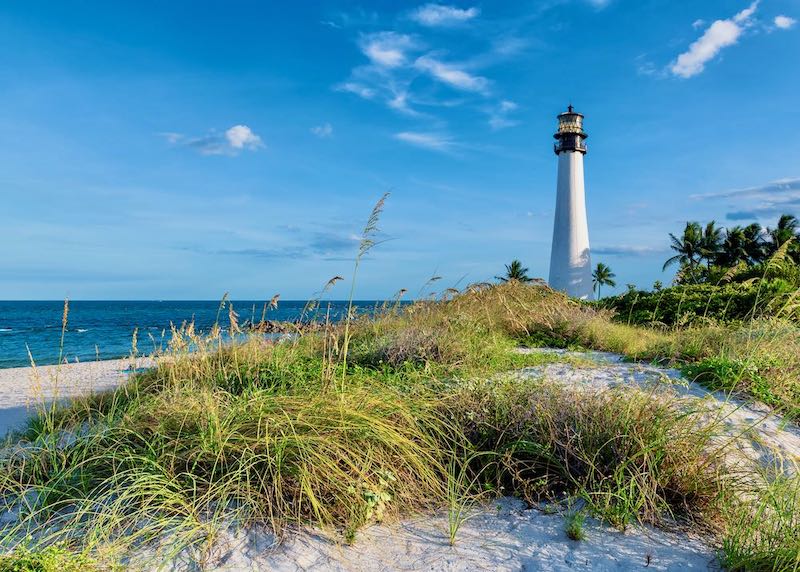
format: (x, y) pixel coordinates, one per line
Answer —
(704, 252)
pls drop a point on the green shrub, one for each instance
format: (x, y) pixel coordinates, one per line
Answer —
(722, 373)
(698, 303)
(54, 558)
(575, 526)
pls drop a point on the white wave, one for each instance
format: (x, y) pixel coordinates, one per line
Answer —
(81, 330)
(6, 330)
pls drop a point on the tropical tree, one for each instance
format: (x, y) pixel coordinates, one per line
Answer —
(602, 276)
(734, 248)
(711, 243)
(688, 247)
(754, 245)
(515, 271)
(786, 230)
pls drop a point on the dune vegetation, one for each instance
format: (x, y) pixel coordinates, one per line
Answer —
(403, 410)
(419, 418)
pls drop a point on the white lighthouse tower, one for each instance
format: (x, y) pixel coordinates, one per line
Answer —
(570, 264)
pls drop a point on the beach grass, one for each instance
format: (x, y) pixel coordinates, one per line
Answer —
(422, 417)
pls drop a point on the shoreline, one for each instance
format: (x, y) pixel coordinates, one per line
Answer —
(23, 388)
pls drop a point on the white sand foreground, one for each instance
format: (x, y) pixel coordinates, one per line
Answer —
(22, 389)
(505, 535)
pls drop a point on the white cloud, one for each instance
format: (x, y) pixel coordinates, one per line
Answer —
(322, 131)
(498, 117)
(387, 49)
(235, 139)
(698, 24)
(747, 13)
(172, 137)
(760, 202)
(626, 250)
(646, 67)
(452, 75)
(507, 105)
(721, 34)
(399, 102)
(242, 137)
(433, 141)
(440, 15)
(784, 22)
(356, 88)
(787, 186)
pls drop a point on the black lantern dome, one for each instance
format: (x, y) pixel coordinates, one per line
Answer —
(570, 135)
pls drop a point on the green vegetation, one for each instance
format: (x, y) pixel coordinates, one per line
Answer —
(282, 433)
(515, 271)
(731, 276)
(602, 276)
(574, 525)
(695, 304)
(706, 253)
(52, 558)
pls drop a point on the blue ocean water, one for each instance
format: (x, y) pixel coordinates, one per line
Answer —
(104, 329)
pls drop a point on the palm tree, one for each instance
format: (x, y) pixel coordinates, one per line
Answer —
(515, 271)
(711, 242)
(602, 276)
(754, 236)
(785, 231)
(688, 247)
(734, 248)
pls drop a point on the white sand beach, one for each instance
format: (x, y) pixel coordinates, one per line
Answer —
(23, 388)
(504, 535)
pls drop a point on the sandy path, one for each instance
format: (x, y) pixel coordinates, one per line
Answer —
(761, 436)
(23, 388)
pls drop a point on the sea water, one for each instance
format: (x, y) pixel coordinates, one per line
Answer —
(104, 329)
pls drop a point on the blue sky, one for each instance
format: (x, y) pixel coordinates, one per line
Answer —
(179, 150)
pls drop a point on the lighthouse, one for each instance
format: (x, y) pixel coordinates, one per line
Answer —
(570, 264)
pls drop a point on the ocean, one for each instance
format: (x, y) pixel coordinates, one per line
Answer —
(104, 329)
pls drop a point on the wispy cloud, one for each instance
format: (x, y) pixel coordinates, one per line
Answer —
(784, 22)
(719, 35)
(772, 190)
(410, 75)
(400, 102)
(323, 131)
(452, 75)
(434, 15)
(599, 3)
(432, 141)
(323, 245)
(768, 200)
(499, 115)
(626, 250)
(359, 89)
(230, 142)
(646, 67)
(387, 49)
